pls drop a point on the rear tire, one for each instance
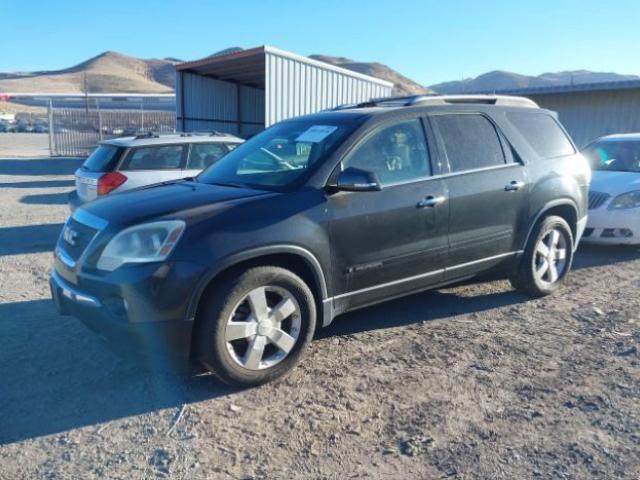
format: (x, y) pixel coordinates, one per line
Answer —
(255, 326)
(547, 258)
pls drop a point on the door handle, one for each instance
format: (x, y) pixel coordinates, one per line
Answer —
(430, 201)
(513, 186)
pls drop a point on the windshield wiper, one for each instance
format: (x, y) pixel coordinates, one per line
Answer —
(229, 184)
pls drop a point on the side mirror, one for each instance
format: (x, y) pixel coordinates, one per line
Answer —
(357, 180)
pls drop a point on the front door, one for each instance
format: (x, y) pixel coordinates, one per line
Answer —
(393, 241)
(487, 190)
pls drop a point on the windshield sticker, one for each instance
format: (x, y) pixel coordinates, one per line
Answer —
(316, 134)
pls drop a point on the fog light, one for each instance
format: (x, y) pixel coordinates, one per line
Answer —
(616, 233)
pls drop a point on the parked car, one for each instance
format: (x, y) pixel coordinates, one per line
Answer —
(614, 199)
(41, 128)
(324, 214)
(122, 164)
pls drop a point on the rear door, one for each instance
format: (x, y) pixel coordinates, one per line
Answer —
(203, 155)
(393, 241)
(103, 159)
(487, 192)
(152, 164)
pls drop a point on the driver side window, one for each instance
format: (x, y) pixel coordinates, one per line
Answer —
(396, 152)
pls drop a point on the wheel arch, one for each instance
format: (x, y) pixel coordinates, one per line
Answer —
(294, 258)
(563, 208)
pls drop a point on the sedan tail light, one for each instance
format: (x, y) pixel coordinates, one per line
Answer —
(109, 182)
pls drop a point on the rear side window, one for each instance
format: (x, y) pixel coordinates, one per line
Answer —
(470, 141)
(103, 159)
(204, 155)
(543, 133)
(168, 157)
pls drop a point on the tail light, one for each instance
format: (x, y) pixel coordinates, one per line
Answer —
(109, 182)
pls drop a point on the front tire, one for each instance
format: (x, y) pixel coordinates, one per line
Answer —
(255, 327)
(547, 258)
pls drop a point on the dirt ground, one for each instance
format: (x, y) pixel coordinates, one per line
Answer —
(470, 382)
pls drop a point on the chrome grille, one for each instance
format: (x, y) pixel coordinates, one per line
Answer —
(597, 199)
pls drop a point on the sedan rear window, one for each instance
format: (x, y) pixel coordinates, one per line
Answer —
(103, 159)
(543, 133)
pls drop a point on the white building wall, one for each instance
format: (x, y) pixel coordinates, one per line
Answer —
(299, 86)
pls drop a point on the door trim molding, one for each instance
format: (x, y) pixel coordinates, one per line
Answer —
(423, 275)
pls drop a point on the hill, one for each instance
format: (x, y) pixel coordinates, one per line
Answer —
(109, 72)
(500, 80)
(402, 84)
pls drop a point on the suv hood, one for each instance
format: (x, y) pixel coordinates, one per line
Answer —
(148, 203)
(614, 183)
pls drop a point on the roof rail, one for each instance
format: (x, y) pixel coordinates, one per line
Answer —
(435, 99)
(146, 135)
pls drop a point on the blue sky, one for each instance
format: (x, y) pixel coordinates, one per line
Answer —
(429, 41)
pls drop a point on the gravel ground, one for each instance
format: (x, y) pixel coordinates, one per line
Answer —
(24, 145)
(469, 382)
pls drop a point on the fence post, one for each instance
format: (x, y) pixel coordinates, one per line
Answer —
(142, 113)
(99, 118)
(52, 144)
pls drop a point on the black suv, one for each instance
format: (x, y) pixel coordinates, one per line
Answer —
(320, 215)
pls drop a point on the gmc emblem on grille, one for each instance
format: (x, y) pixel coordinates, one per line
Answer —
(69, 236)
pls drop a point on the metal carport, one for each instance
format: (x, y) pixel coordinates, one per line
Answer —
(245, 91)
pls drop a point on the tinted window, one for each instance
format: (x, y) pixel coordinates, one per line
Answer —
(103, 159)
(470, 141)
(204, 155)
(543, 133)
(395, 152)
(154, 158)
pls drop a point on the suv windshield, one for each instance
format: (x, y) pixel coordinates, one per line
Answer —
(102, 159)
(279, 156)
(614, 156)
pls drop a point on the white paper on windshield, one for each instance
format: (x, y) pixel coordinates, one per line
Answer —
(316, 134)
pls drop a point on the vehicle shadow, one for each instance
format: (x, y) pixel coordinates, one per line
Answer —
(39, 166)
(589, 256)
(57, 376)
(46, 199)
(38, 184)
(29, 238)
(421, 307)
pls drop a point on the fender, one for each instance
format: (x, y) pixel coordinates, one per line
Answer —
(545, 208)
(250, 254)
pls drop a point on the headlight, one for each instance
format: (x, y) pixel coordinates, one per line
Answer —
(626, 200)
(149, 242)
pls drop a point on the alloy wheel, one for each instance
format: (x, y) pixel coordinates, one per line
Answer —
(550, 258)
(263, 328)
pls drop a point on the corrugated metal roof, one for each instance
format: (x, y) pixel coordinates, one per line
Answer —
(247, 67)
(581, 87)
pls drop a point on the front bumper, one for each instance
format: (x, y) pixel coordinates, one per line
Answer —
(613, 227)
(115, 312)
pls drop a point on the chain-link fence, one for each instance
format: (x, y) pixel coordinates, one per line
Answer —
(76, 131)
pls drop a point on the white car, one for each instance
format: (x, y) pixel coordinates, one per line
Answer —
(129, 162)
(614, 196)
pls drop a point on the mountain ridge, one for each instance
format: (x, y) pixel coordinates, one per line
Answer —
(497, 80)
